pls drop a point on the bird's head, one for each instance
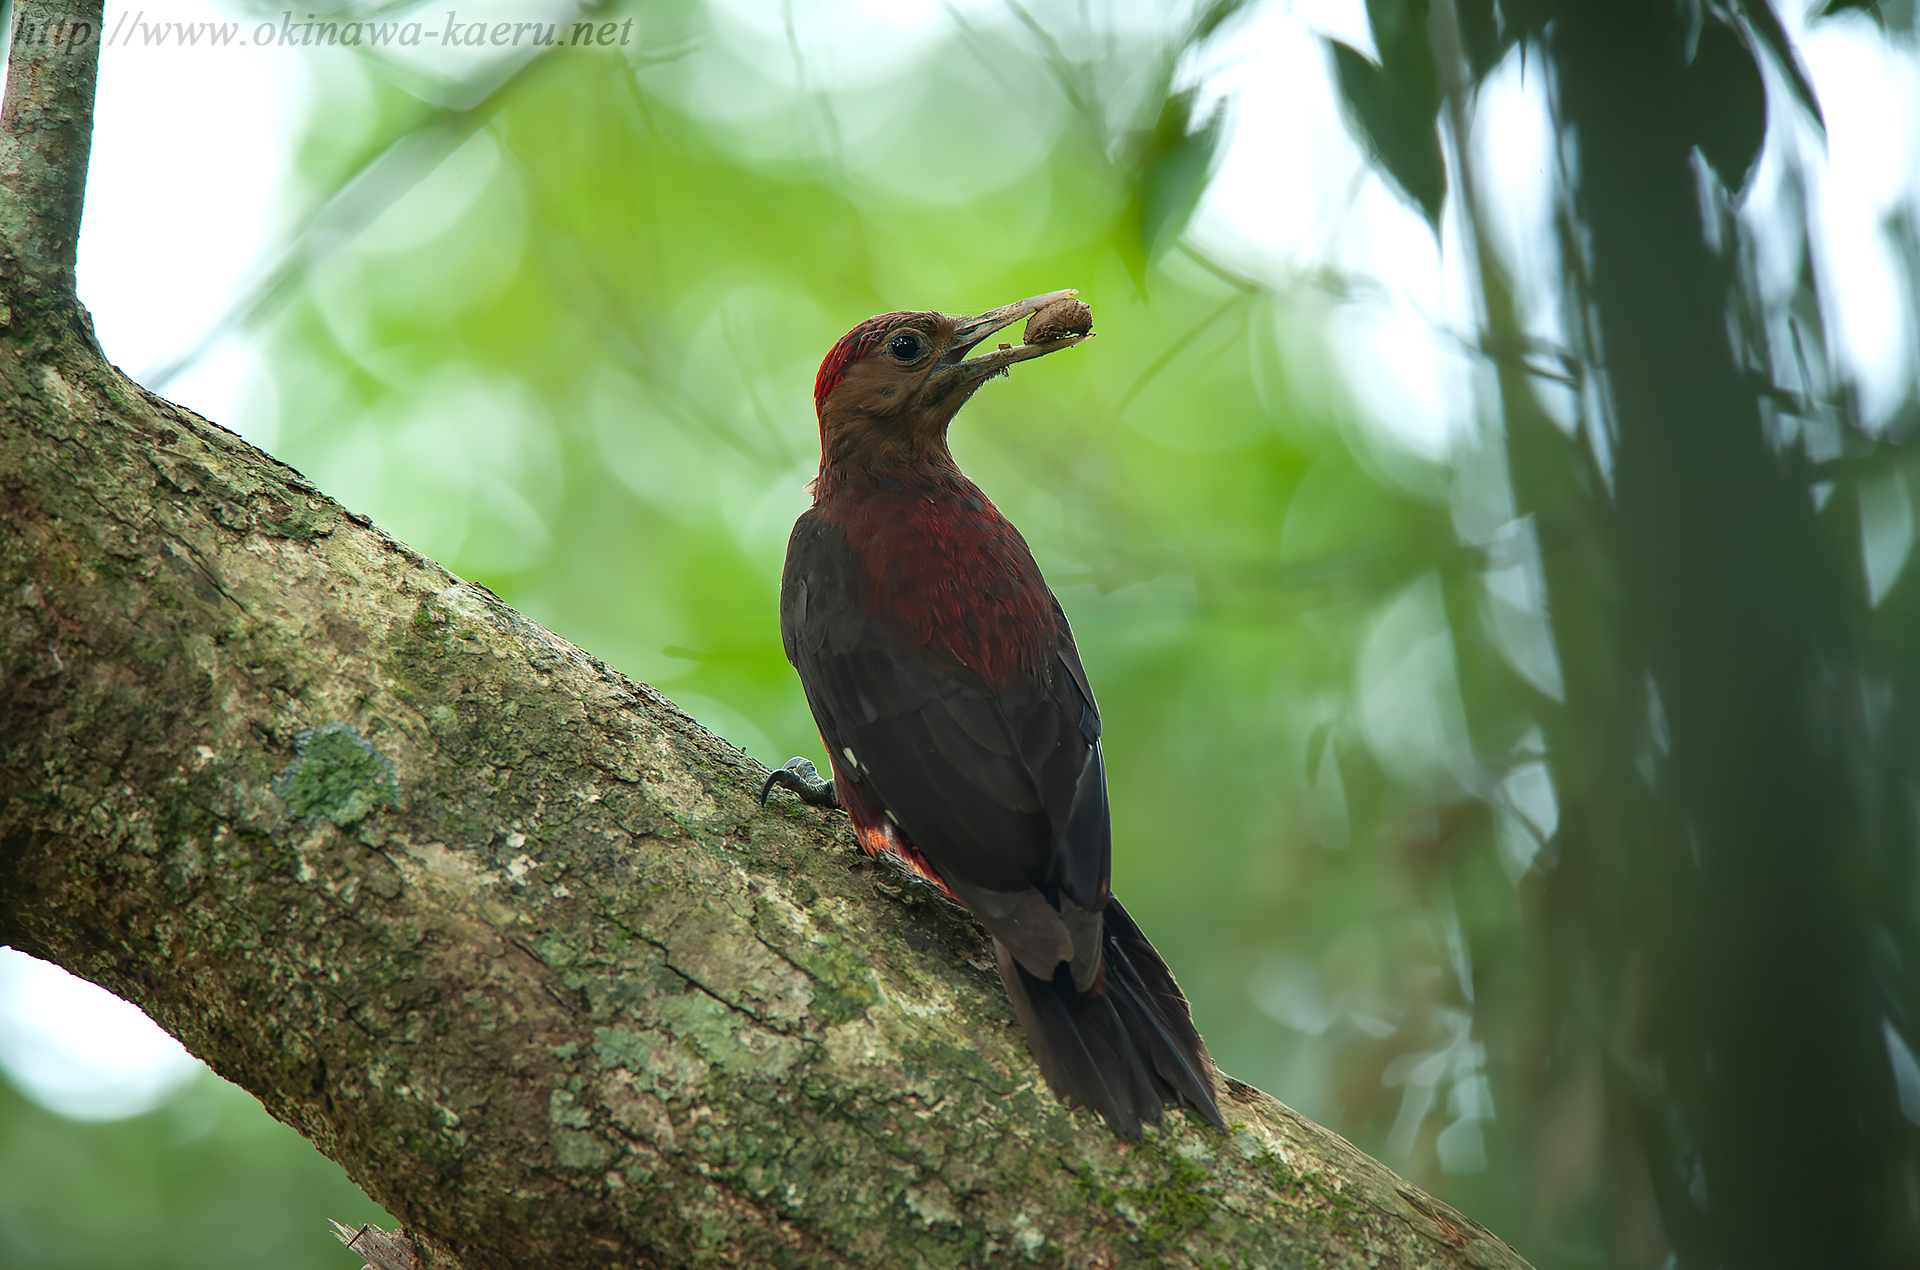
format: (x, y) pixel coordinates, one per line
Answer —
(890, 387)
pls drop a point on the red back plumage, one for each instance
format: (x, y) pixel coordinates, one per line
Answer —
(949, 570)
(853, 346)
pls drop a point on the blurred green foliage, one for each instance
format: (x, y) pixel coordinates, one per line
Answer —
(207, 1182)
(555, 324)
(1716, 1030)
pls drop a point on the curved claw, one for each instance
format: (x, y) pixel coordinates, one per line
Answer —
(800, 776)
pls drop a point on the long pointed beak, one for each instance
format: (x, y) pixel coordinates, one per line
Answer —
(969, 332)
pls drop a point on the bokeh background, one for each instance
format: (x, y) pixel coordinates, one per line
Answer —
(1484, 515)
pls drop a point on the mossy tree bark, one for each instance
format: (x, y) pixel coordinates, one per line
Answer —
(46, 131)
(504, 932)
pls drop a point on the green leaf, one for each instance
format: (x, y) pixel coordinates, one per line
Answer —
(1399, 32)
(1869, 7)
(1176, 162)
(1169, 163)
(1480, 32)
(1395, 118)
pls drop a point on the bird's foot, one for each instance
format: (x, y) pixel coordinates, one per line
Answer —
(800, 776)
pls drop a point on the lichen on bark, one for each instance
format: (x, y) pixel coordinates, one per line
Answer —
(337, 776)
(507, 934)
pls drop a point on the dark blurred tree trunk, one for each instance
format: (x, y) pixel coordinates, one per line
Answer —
(1718, 931)
(1758, 1085)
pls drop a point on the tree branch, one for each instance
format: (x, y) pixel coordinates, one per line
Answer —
(505, 933)
(46, 132)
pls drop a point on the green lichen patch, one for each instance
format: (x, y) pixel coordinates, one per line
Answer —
(616, 1048)
(1170, 1200)
(843, 983)
(715, 1032)
(928, 1056)
(338, 776)
(581, 1151)
(1312, 1183)
(562, 1111)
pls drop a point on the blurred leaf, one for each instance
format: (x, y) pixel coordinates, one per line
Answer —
(1173, 163)
(1872, 8)
(1728, 99)
(1396, 117)
(1395, 106)
(1170, 163)
(1891, 15)
(1211, 17)
(1480, 32)
(1317, 743)
(1764, 23)
(1523, 18)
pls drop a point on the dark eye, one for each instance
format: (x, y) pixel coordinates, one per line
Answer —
(906, 346)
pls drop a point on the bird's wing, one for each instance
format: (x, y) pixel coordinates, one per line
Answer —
(999, 786)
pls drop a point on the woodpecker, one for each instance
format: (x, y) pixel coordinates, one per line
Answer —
(959, 723)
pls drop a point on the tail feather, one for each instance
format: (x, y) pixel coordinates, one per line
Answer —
(1127, 1048)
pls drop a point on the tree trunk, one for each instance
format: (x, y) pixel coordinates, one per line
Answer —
(506, 934)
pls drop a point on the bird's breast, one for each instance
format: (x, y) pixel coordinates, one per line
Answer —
(949, 569)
